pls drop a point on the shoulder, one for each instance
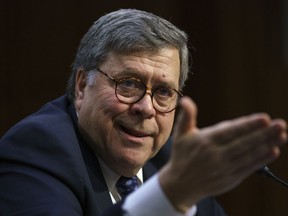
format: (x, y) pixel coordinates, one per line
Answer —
(45, 140)
(48, 120)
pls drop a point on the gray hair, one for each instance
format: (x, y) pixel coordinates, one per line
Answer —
(126, 31)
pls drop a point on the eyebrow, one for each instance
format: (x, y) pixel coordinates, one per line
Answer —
(129, 73)
(138, 75)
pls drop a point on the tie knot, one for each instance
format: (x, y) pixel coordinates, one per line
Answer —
(126, 185)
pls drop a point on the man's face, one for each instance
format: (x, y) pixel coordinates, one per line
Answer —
(123, 135)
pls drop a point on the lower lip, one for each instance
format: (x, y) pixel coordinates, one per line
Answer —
(132, 138)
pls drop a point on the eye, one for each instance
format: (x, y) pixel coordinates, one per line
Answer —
(164, 92)
(130, 84)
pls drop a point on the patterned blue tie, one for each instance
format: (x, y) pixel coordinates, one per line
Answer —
(126, 185)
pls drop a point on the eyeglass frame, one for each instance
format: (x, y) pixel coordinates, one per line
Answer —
(117, 80)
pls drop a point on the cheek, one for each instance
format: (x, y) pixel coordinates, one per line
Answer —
(165, 124)
(96, 111)
(104, 108)
(102, 102)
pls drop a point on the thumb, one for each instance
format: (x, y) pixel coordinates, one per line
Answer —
(186, 121)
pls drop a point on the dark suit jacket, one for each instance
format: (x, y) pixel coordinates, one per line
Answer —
(47, 169)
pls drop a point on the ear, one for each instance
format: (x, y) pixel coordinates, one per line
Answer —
(80, 85)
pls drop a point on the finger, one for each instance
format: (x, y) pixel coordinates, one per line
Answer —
(186, 121)
(229, 130)
(259, 143)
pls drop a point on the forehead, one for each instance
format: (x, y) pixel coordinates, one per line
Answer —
(163, 65)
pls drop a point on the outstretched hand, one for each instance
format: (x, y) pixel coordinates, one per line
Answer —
(211, 161)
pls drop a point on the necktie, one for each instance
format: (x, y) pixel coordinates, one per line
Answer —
(126, 185)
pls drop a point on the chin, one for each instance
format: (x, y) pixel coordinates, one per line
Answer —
(134, 160)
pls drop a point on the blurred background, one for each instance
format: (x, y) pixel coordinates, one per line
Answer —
(240, 66)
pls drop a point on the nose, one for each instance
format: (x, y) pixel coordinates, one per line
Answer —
(144, 106)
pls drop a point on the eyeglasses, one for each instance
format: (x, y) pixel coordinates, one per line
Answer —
(130, 90)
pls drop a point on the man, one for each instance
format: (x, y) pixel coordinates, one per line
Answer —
(119, 112)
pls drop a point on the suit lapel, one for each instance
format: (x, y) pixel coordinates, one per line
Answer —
(100, 199)
(101, 193)
(148, 170)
